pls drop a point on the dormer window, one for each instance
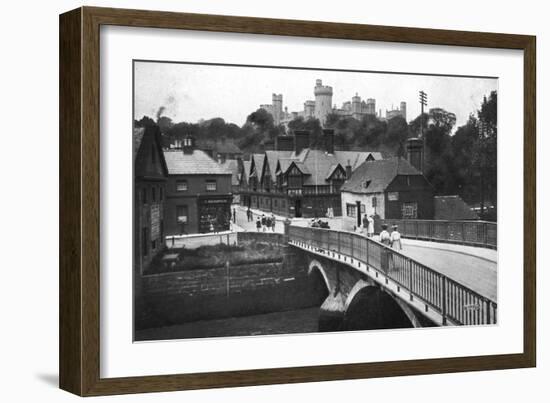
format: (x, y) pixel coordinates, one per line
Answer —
(367, 184)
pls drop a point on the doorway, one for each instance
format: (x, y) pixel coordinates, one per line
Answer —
(297, 208)
(358, 214)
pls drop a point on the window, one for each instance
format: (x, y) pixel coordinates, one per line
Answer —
(211, 185)
(374, 201)
(181, 186)
(351, 210)
(409, 210)
(153, 194)
(161, 193)
(154, 244)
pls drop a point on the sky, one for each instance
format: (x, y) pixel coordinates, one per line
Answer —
(189, 92)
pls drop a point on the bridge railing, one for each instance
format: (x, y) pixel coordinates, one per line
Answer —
(475, 233)
(451, 299)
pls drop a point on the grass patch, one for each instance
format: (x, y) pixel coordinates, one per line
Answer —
(215, 256)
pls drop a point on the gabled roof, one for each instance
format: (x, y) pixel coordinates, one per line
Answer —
(380, 174)
(194, 163)
(138, 136)
(257, 161)
(143, 137)
(233, 167)
(452, 208)
(272, 158)
(246, 171)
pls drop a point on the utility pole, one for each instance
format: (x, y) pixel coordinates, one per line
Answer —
(423, 99)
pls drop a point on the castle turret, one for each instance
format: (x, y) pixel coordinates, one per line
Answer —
(309, 109)
(371, 106)
(356, 107)
(277, 102)
(323, 100)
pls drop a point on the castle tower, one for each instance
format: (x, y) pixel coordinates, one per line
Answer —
(277, 102)
(356, 107)
(403, 109)
(309, 109)
(371, 106)
(323, 100)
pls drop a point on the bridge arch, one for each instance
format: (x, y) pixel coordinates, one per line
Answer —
(369, 307)
(315, 265)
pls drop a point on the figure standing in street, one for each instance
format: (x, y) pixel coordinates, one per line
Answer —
(365, 225)
(249, 215)
(370, 229)
(273, 222)
(264, 222)
(258, 224)
(234, 216)
(385, 235)
(395, 238)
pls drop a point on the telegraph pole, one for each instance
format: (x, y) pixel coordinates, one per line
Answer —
(423, 99)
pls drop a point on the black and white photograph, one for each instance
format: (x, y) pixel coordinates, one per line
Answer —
(271, 200)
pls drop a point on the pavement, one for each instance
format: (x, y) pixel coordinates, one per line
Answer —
(473, 267)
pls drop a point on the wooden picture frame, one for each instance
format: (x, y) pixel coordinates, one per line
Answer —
(79, 201)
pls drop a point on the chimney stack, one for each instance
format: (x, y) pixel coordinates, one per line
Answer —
(415, 153)
(285, 143)
(188, 144)
(301, 140)
(348, 170)
(269, 145)
(329, 140)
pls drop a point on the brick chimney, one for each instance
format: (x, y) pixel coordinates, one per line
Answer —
(348, 170)
(301, 140)
(329, 140)
(188, 144)
(269, 145)
(415, 153)
(285, 143)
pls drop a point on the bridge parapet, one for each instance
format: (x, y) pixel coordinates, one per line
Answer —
(474, 233)
(454, 302)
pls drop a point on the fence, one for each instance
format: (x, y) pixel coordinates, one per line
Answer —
(451, 299)
(475, 233)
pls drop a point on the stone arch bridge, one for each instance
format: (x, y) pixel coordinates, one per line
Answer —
(371, 286)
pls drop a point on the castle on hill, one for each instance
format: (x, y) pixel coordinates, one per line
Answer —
(322, 106)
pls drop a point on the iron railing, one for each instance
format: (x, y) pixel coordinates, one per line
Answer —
(475, 233)
(452, 300)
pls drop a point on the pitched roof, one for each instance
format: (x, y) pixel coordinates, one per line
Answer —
(258, 160)
(272, 157)
(233, 167)
(246, 171)
(380, 173)
(198, 162)
(452, 208)
(137, 137)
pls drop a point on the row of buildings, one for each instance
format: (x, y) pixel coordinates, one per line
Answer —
(184, 189)
(322, 106)
(295, 180)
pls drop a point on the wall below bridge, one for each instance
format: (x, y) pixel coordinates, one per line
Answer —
(171, 298)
